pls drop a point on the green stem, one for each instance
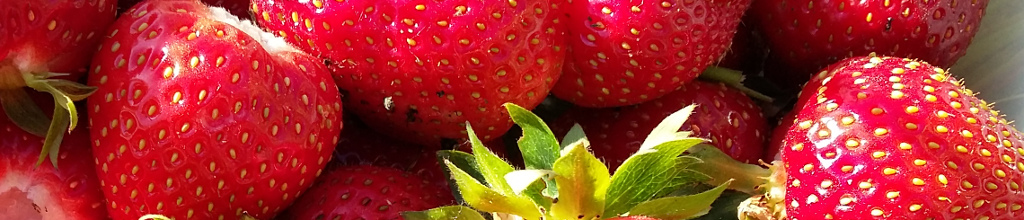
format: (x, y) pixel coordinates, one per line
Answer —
(732, 78)
(721, 168)
(23, 112)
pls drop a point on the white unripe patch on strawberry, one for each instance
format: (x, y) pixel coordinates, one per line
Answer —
(271, 43)
(26, 198)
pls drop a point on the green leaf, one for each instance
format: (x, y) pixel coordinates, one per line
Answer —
(582, 181)
(574, 135)
(462, 160)
(668, 129)
(644, 175)
(491, 166)
(444, 213)
(24, 112)
(538, 144)
(680, 207)
(535, 192)
(54, 136)
(486, 199)
(521, 180)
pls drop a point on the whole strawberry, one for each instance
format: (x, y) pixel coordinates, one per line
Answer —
(419, 71)
(725, 116)
(896, 138)
(628, 52)
(367, 192)
(806, 35)
(201, 115)
(28, 191)
(46, 46)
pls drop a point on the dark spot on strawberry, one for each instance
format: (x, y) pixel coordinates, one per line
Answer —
(888, 23)
(328, 62)
(320, 216)
(36, 207)
(410, 115)
(440, 93)
(449, 144)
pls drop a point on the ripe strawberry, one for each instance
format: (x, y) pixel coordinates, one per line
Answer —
(28, 191)
(238, 8)
(419, 71)
(897, 138)
(201, 115)
(46, 45)
(627, 52)
(882, 129)
(806, 35)
(367, 192)
(359, 145)
(724, 115)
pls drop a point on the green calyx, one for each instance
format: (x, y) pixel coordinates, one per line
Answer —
(23, 112)
(563, 180)
(734, 79)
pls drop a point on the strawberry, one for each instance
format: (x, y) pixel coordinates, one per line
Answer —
(725, 116)
(897, 138)
(28, 191)
(367, 192)
(201, 115)
(46, 46)
(806, 35)
(418, 71)
(628, 52)
(358, 145)
(238, 8)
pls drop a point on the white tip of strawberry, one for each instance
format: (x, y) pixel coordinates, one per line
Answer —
(271, 43)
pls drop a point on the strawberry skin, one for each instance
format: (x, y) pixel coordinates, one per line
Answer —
(896, 138)
(49, 36)
(419, 71)
(628, 52)
(199, 115)
(807, 35)
(727, 117)
(30, 192)
(367, 192)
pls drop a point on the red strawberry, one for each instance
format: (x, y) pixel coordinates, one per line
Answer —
(806, 35)
(358, 145)
(419, 71)
(201, 115)
(628, 52)
(896, 138)
(46, 45)
(724, 115)
(367, 192)
(46, 192)
(238, 8)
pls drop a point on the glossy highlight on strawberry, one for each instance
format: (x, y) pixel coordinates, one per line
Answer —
(898, 138)
(419, 71)
(200, 115)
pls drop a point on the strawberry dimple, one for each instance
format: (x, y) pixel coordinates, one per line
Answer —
(420, 71)
(196, 118)
(880, 131)
(627, 52)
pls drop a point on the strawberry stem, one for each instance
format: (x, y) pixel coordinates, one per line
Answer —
(721, 168)
(24, 113)
(732, 78)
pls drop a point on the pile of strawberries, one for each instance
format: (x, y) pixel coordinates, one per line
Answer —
(350, 109)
